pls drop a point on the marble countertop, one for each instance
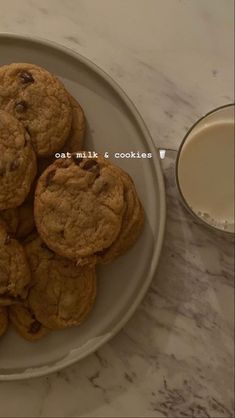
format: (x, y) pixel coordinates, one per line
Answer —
(174, 358)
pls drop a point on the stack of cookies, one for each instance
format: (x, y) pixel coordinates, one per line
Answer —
(58, 218)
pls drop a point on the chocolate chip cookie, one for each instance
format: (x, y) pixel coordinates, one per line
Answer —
(79, 204)
(14, 269)
(11, 219)
(25, 323)
(62, 294)
(78, 128)
(18, 165)
(75, 140)
(132, 223)
(39, 100)
(3, 320)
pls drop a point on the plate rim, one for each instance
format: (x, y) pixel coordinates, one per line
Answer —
(157, 169)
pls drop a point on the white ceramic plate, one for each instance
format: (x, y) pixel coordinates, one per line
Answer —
(114, 125)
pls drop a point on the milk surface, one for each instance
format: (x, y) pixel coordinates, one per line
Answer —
(206, 173)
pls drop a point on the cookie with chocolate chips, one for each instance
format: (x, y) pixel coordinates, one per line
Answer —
(18, 164)
(79, 204)
(14, 269)
(25, 323)
(76, 137)
(78, 128)
(3, 320)
(39, 100)
(62, 294)
(132, 222)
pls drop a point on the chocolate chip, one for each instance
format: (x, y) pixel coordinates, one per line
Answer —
(35, 327)
(49, 177)
(2, 171)
(76, 160)
(100, 253)
(21, 106)
(92, 166)
(7, 240)
(89, 164)
(26, 77)
(62, 233)
(14, 165)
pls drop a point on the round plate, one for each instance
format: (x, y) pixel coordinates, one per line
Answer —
(114, 125)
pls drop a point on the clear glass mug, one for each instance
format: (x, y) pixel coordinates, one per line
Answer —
(221, 114)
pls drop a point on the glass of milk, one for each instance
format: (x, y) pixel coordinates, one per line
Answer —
(205, 169)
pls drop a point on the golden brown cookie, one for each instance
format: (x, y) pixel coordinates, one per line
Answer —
(132, 223)
(14, 269)
(39, 100)
(78, 207)
(18, 164)
(75, 140)
(76, 136)
(11, 219)
(24, 321)
(62, 294)
(3, 320)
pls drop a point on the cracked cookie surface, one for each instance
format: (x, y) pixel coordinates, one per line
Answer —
(62, 294)
(25, 323)
(78, 207)
(39, 100)
(14, 269)
(18, 164)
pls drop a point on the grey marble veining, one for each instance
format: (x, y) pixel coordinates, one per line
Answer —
(174, 358)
